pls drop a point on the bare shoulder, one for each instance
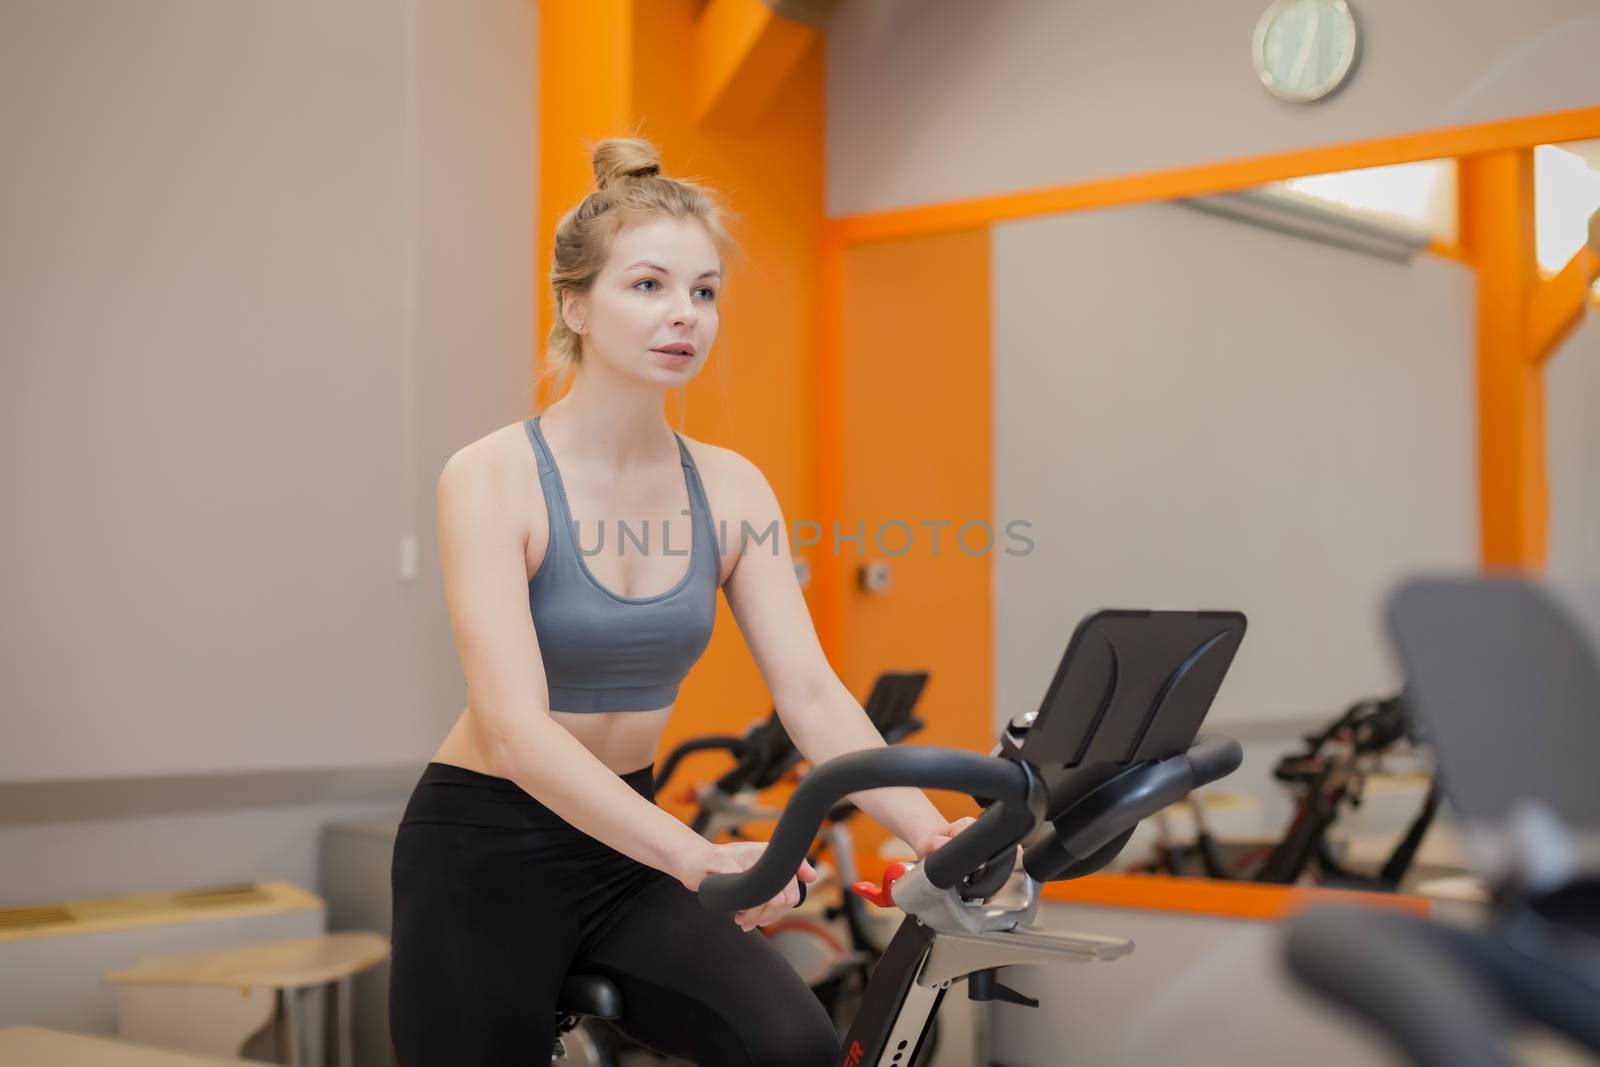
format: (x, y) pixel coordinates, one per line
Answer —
(499, 456)
(743, 505)
(735, 486)
(493, 472)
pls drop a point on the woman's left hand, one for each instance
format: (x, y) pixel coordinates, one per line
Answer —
(936, 839)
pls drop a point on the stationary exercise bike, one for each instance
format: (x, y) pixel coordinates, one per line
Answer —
(1115, 741)
(1326, 778)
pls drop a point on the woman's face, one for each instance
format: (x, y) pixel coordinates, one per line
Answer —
(652, 313)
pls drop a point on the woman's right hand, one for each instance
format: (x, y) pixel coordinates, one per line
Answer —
(736, 856)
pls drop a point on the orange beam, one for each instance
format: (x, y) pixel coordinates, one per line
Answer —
(1558, 305)
(1227, 900)
(585, 94)
(743, 54)
(1576, 125)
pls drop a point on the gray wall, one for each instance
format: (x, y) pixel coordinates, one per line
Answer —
(1572, 412)
(159, 853)
(1197, 413)
(73, 839)
(930, 100)
(266, 266)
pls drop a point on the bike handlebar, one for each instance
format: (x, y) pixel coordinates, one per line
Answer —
(1018, 795)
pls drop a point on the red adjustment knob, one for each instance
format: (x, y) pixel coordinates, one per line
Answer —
(882, 897)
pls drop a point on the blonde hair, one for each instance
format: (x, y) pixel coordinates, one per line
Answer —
(629, 188)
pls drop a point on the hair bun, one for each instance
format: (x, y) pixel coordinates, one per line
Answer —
(617, 158)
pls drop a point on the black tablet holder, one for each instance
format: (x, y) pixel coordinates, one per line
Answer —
(1131, 686)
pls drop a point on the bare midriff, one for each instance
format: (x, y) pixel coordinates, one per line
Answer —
(622, 740)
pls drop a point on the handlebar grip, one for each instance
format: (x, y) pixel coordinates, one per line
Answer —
(995, 832)
(1012, 785)
(1213, 756)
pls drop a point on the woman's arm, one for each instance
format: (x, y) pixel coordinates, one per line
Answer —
(821, 715)
(482, 551)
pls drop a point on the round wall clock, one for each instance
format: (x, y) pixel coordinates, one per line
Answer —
(1305, 49)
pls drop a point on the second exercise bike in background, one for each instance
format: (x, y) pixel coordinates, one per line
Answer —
(1326, 779)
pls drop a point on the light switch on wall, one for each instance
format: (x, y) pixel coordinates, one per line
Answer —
(874, 576)
(408, 559)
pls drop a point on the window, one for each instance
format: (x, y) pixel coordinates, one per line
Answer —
(1419, 196)
(1566, 184)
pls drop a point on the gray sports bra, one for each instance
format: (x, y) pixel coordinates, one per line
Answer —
(604, 652)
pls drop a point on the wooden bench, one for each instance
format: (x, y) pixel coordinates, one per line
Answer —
(212, 1000)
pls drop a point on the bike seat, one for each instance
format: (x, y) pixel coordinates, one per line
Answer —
(590, 994)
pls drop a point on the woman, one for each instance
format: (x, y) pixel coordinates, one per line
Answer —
(531, 847)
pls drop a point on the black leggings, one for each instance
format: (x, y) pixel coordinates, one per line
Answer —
(497, 898)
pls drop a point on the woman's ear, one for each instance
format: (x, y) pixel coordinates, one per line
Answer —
(574, 309)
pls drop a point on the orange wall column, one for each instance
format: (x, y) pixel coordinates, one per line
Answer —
(905, 443)
(1497, 230)
(914, 419)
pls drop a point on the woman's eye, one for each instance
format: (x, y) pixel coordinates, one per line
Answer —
(704, 292)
